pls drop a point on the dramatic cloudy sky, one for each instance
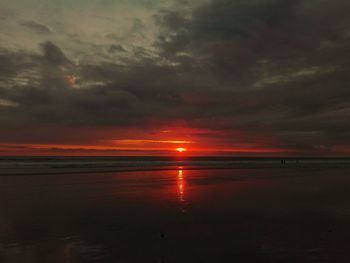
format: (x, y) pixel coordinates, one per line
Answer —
(135, 77)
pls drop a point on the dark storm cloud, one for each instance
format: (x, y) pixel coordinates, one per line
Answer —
(267, 66)
(280, 65)
(11, 63)
(116, 48)
(54, 55)
(36, 27)
(6, 65)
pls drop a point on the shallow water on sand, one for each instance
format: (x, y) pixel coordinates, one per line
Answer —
(234, 215)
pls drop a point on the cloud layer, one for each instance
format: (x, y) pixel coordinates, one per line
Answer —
(276, 72)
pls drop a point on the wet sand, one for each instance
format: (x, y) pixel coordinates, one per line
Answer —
(280, 214)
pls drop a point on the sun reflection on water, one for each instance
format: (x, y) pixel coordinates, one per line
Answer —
(181, 184)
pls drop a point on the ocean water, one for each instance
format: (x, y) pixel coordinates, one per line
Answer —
(61, 165)
(298, 212)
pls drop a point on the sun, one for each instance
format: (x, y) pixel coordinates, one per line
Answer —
(180, 150)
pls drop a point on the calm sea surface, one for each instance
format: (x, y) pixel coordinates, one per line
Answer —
(279, 214)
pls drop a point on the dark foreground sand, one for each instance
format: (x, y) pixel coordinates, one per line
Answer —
(279, 214)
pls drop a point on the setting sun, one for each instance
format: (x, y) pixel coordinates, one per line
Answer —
(180, 150)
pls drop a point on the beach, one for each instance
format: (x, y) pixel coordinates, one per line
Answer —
(257, 214)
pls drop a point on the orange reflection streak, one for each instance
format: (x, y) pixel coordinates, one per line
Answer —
(181, 185)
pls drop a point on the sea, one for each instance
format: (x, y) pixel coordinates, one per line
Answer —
(76, 164)
(174, 209)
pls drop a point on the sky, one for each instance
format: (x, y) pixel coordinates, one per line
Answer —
(144, 77)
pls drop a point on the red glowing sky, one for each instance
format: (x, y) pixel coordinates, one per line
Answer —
(160, 141)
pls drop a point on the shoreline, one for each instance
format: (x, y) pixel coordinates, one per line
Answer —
(32, 171)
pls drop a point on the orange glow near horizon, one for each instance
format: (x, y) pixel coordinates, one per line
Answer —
(176, 142)
(139, 142)
(180, 149)
(169, 140)
(132, 150)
